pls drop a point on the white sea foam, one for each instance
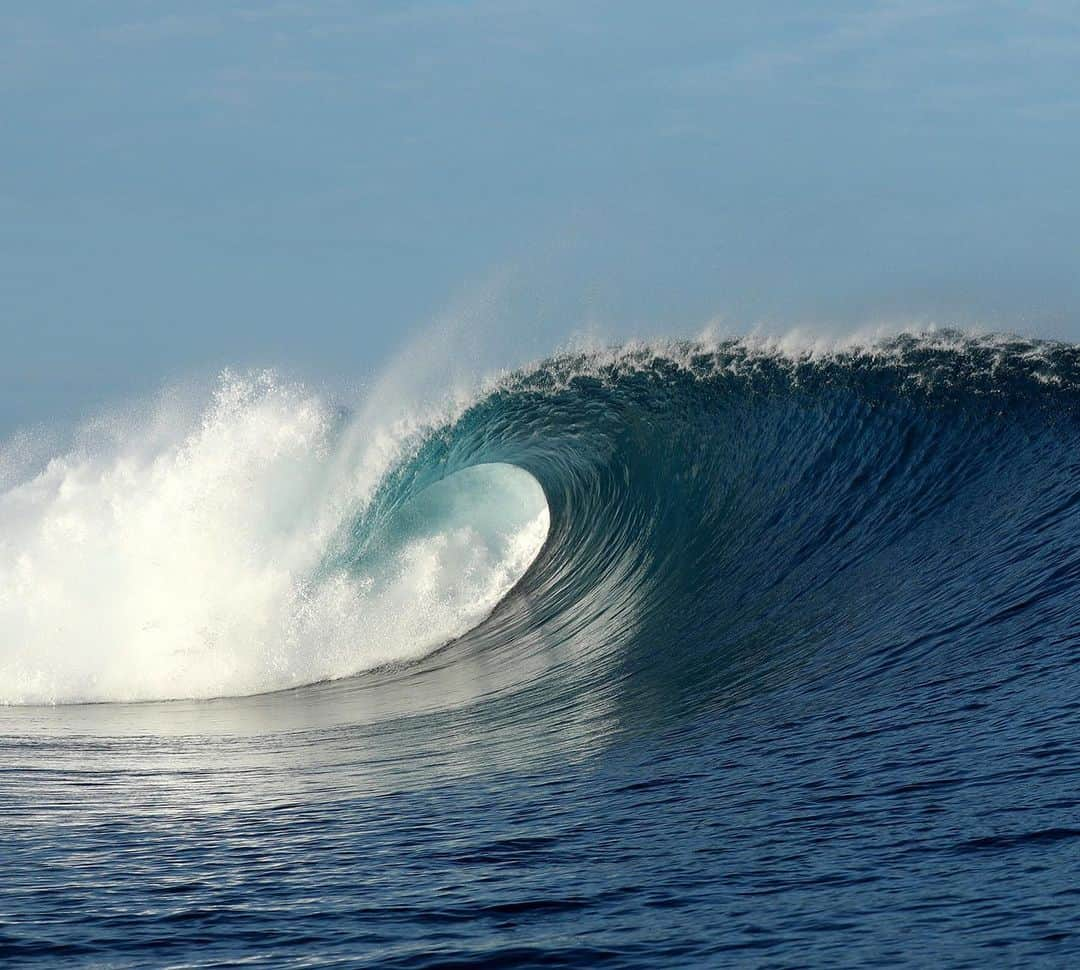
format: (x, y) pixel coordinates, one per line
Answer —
(178, 553)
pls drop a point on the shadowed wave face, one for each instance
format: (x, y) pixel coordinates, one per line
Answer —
(666, 654)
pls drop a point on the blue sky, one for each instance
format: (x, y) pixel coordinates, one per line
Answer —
(186, 186)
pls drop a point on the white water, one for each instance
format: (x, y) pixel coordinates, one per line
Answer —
(176, 553)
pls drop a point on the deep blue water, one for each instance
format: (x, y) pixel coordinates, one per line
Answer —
(795, 679)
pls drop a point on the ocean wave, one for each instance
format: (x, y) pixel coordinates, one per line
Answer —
(673, 523)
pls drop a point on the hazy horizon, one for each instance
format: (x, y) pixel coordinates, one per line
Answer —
(307, 184)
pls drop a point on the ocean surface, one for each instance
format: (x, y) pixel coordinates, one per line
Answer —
(731, 652)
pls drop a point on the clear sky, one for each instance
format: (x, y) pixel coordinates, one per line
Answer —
(189, 185)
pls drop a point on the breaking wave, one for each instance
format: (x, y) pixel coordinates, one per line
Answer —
(684, 520)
